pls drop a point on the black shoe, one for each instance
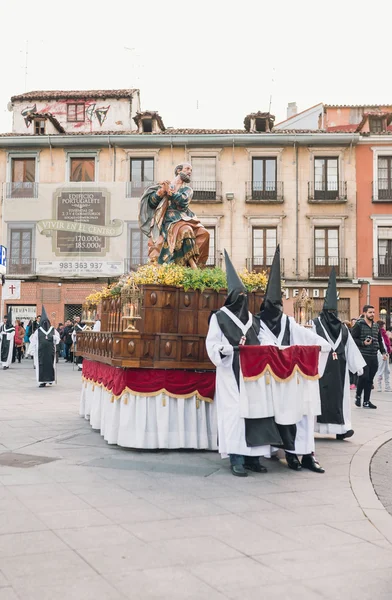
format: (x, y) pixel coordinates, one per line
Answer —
(309, 462)
(238, 471)
(42, 385)
(5, 368)
(255, 467)
(343, 436)
(292, 461)
(369, 405)
(358, 401)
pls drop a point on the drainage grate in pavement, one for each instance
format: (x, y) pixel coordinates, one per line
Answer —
(23, 461)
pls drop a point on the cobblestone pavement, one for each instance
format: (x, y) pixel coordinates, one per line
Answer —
(381, 474)
(83, 520)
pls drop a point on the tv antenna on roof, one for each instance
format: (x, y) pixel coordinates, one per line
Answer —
(272, 83)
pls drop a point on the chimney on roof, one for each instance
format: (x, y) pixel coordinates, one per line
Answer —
(291, 109)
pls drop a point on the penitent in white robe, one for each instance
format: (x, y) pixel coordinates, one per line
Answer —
(231, 426)
(354, 363)
(297, 400)
(7, 338)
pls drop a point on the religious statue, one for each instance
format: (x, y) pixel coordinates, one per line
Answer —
(175, 233)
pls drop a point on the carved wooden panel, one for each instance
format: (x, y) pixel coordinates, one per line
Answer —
(189, 350)
(168, 348)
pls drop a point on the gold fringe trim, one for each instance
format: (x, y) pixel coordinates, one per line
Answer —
(268, 371)
(128, 390)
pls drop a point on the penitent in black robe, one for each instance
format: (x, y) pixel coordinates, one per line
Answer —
(333, 380)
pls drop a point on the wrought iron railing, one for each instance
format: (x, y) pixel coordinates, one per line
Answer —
(135, 189)
(133, 262)
(264, 191)
(207, 191)
(382, 267)
(260, 264)
(322, 267)
(382, 190)
(327, 192)
(21, 266)
(21, 189)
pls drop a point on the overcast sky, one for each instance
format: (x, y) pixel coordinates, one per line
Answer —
(200, 63)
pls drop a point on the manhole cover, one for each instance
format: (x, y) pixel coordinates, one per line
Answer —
(23, 461)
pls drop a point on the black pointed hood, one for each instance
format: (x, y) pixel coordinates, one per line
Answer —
(329, 314)
(44, 320)
(271, 309)
(331, 297)
(9, 319)
(236, 301)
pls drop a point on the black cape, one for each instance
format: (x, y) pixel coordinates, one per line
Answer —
(5, 344)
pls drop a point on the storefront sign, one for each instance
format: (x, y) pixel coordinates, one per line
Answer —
(81, 224)
(23, 312)
(80, 267)
(312, 292)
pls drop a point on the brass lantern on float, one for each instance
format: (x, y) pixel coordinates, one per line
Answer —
(131, 306)
(303, 308)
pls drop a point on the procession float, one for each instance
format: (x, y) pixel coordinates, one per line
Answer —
(147, 380)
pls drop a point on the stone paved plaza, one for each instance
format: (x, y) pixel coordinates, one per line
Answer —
(83, 520)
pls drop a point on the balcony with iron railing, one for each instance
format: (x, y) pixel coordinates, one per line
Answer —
(21, 266)
(260, 264)
(320, 268)
(207, 191)
(133, 262)
(135, 189)
(264, 191)
(382, 190)
(382, 268)
(21, 189)
(323, 192)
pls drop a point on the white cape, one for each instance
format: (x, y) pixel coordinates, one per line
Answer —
(231, 426)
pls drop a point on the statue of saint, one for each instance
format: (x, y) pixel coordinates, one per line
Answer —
(175, 233)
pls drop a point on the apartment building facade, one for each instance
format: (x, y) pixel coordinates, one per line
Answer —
(75, 165)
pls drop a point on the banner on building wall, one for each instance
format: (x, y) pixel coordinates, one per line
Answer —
(81, 225)
(11, 290)
(23, 312)
(80, 267)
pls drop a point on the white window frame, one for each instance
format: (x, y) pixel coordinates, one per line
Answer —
(265, 153)
(22, 154)
(378, 152)
(378, 221)
(210, 153)
(214, 221)
(146, 153)
(81, 154)
(30, 225)
(332, 222)
(327, 153)
(272, 221)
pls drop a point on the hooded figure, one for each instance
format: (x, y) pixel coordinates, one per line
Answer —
(343, 357)
(229, 327)
(7, 340)
(43, 348)
(296, 402)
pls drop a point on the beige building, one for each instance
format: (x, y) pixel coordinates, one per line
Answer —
(76, 163)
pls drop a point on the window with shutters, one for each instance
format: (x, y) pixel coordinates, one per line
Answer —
(264, 184)
(141, 176)
(75, 112)
(23, 184)
(384, 179)
(384, 251)
(326, 251)
(82, 168)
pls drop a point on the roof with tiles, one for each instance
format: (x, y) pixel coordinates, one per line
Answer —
(74, 94)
